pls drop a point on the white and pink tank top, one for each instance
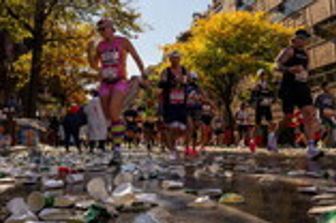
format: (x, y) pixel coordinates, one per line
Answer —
(111, 57)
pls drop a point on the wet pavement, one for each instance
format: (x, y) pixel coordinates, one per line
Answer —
(269, 192)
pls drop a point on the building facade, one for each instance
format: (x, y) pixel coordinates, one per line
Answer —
(318, 16)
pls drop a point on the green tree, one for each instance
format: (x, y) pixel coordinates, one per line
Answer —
(53, 23)
(227, 47)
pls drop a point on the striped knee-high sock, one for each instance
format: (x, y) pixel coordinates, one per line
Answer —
(118, 131)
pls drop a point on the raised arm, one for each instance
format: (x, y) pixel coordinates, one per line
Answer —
(130, 49)
(93, 56)
(282, 58)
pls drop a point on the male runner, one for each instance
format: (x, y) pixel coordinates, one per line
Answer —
(174, 111)
(294, 91)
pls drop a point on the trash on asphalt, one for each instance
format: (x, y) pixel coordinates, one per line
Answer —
(319, 210)
(231, 198)
(19, 211)
(97, 189)
(211, 192)
(203, 202)
(37, 201)
(308, 190)
(172, 185)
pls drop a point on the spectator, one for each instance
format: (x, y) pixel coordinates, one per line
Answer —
(71, 125)
(326, 104)
(96, 123)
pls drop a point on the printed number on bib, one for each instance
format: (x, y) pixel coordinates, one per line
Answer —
(109, 73)
(176, 96)
(110, 57)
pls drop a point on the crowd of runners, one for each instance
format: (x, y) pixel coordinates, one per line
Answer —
(187, 120)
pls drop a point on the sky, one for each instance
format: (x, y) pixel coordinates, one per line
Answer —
(167, 19)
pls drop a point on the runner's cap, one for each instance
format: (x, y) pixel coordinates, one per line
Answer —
(261, 72)
(104, 23)
(302, 34)
(174, 54)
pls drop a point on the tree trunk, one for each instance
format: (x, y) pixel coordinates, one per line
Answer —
(38, 40)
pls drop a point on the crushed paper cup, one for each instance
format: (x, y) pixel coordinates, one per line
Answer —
(97, 189)
(37, 201)
(19, 210)
(54, 214)
(172, 185)
(203, 202)
(52, 184)
(321, 210)
(231, 198)
(212, 192)
(122, 178)
(74, 178)
(214, 168)
(147, 198)
(124, 194)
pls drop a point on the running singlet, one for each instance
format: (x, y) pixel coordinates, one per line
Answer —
(111, 59)
(264, 95)
(300, 57)
(177, 96)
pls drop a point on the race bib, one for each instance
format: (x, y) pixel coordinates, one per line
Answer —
(176, 96)
(109, 73)
(110, 57)
(266, 102)
(302, 76)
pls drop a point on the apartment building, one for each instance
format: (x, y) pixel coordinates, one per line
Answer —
(318, 16)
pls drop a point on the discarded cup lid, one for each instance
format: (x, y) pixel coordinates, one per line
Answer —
(172, 185)
(124, 194)
(97, 189)
(203, 202)
(54, 214)
(231, 198)
(17, 206)
(36, 201)
(318, 210)
(214, 168)
(19, 210)
(75, 178)
(84, 205)
(52, 184)
(147, 198)
(323, 197)
(212, 192)
(7, 180)
(28, 217)
(123, 177)
(308, 190)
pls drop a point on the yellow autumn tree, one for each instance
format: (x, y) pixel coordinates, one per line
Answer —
(226, 47)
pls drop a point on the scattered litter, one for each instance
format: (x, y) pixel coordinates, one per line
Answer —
(231, 198)
(172, 185)
(203, 202)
